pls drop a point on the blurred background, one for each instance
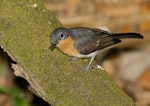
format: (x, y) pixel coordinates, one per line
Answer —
(127, 63)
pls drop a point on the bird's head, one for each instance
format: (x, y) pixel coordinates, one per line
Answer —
(58, 35)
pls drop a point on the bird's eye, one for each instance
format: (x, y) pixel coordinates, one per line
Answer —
(62, 35)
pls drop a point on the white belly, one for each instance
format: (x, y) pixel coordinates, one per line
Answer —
(104, 51)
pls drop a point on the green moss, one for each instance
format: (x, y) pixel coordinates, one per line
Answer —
(24, 32)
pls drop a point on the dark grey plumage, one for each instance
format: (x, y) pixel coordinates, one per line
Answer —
(88, 40)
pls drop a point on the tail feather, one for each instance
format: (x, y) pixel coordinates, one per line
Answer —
(127, 35)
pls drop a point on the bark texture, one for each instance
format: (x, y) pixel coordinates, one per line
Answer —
(25, 26)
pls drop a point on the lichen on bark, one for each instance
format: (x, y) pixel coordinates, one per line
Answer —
(25, 26)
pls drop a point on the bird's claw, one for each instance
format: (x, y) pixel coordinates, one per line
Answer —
(87, 68)
(72, 59)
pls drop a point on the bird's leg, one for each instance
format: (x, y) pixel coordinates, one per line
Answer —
(72, 59)
(89, 65)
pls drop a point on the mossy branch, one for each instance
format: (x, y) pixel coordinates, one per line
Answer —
(25, 26)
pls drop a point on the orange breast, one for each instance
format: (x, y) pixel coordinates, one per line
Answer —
(66, 46)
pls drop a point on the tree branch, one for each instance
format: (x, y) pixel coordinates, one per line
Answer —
(25, 26)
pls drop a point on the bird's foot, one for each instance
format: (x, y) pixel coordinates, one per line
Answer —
(72, 59)
(87, 68)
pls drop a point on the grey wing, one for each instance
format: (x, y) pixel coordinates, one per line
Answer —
(85, 41)
(92, 39)
(105, 38)
(86, 45)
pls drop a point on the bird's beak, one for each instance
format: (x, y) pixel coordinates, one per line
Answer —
(53, 46)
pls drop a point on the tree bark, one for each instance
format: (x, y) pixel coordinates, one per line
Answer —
(25, 26)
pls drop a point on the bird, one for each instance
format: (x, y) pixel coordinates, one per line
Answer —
(84, 42)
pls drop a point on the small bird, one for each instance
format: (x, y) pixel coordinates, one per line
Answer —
(83, 42)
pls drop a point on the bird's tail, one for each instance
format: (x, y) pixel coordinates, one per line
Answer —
(127, 35)
(114, 38)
